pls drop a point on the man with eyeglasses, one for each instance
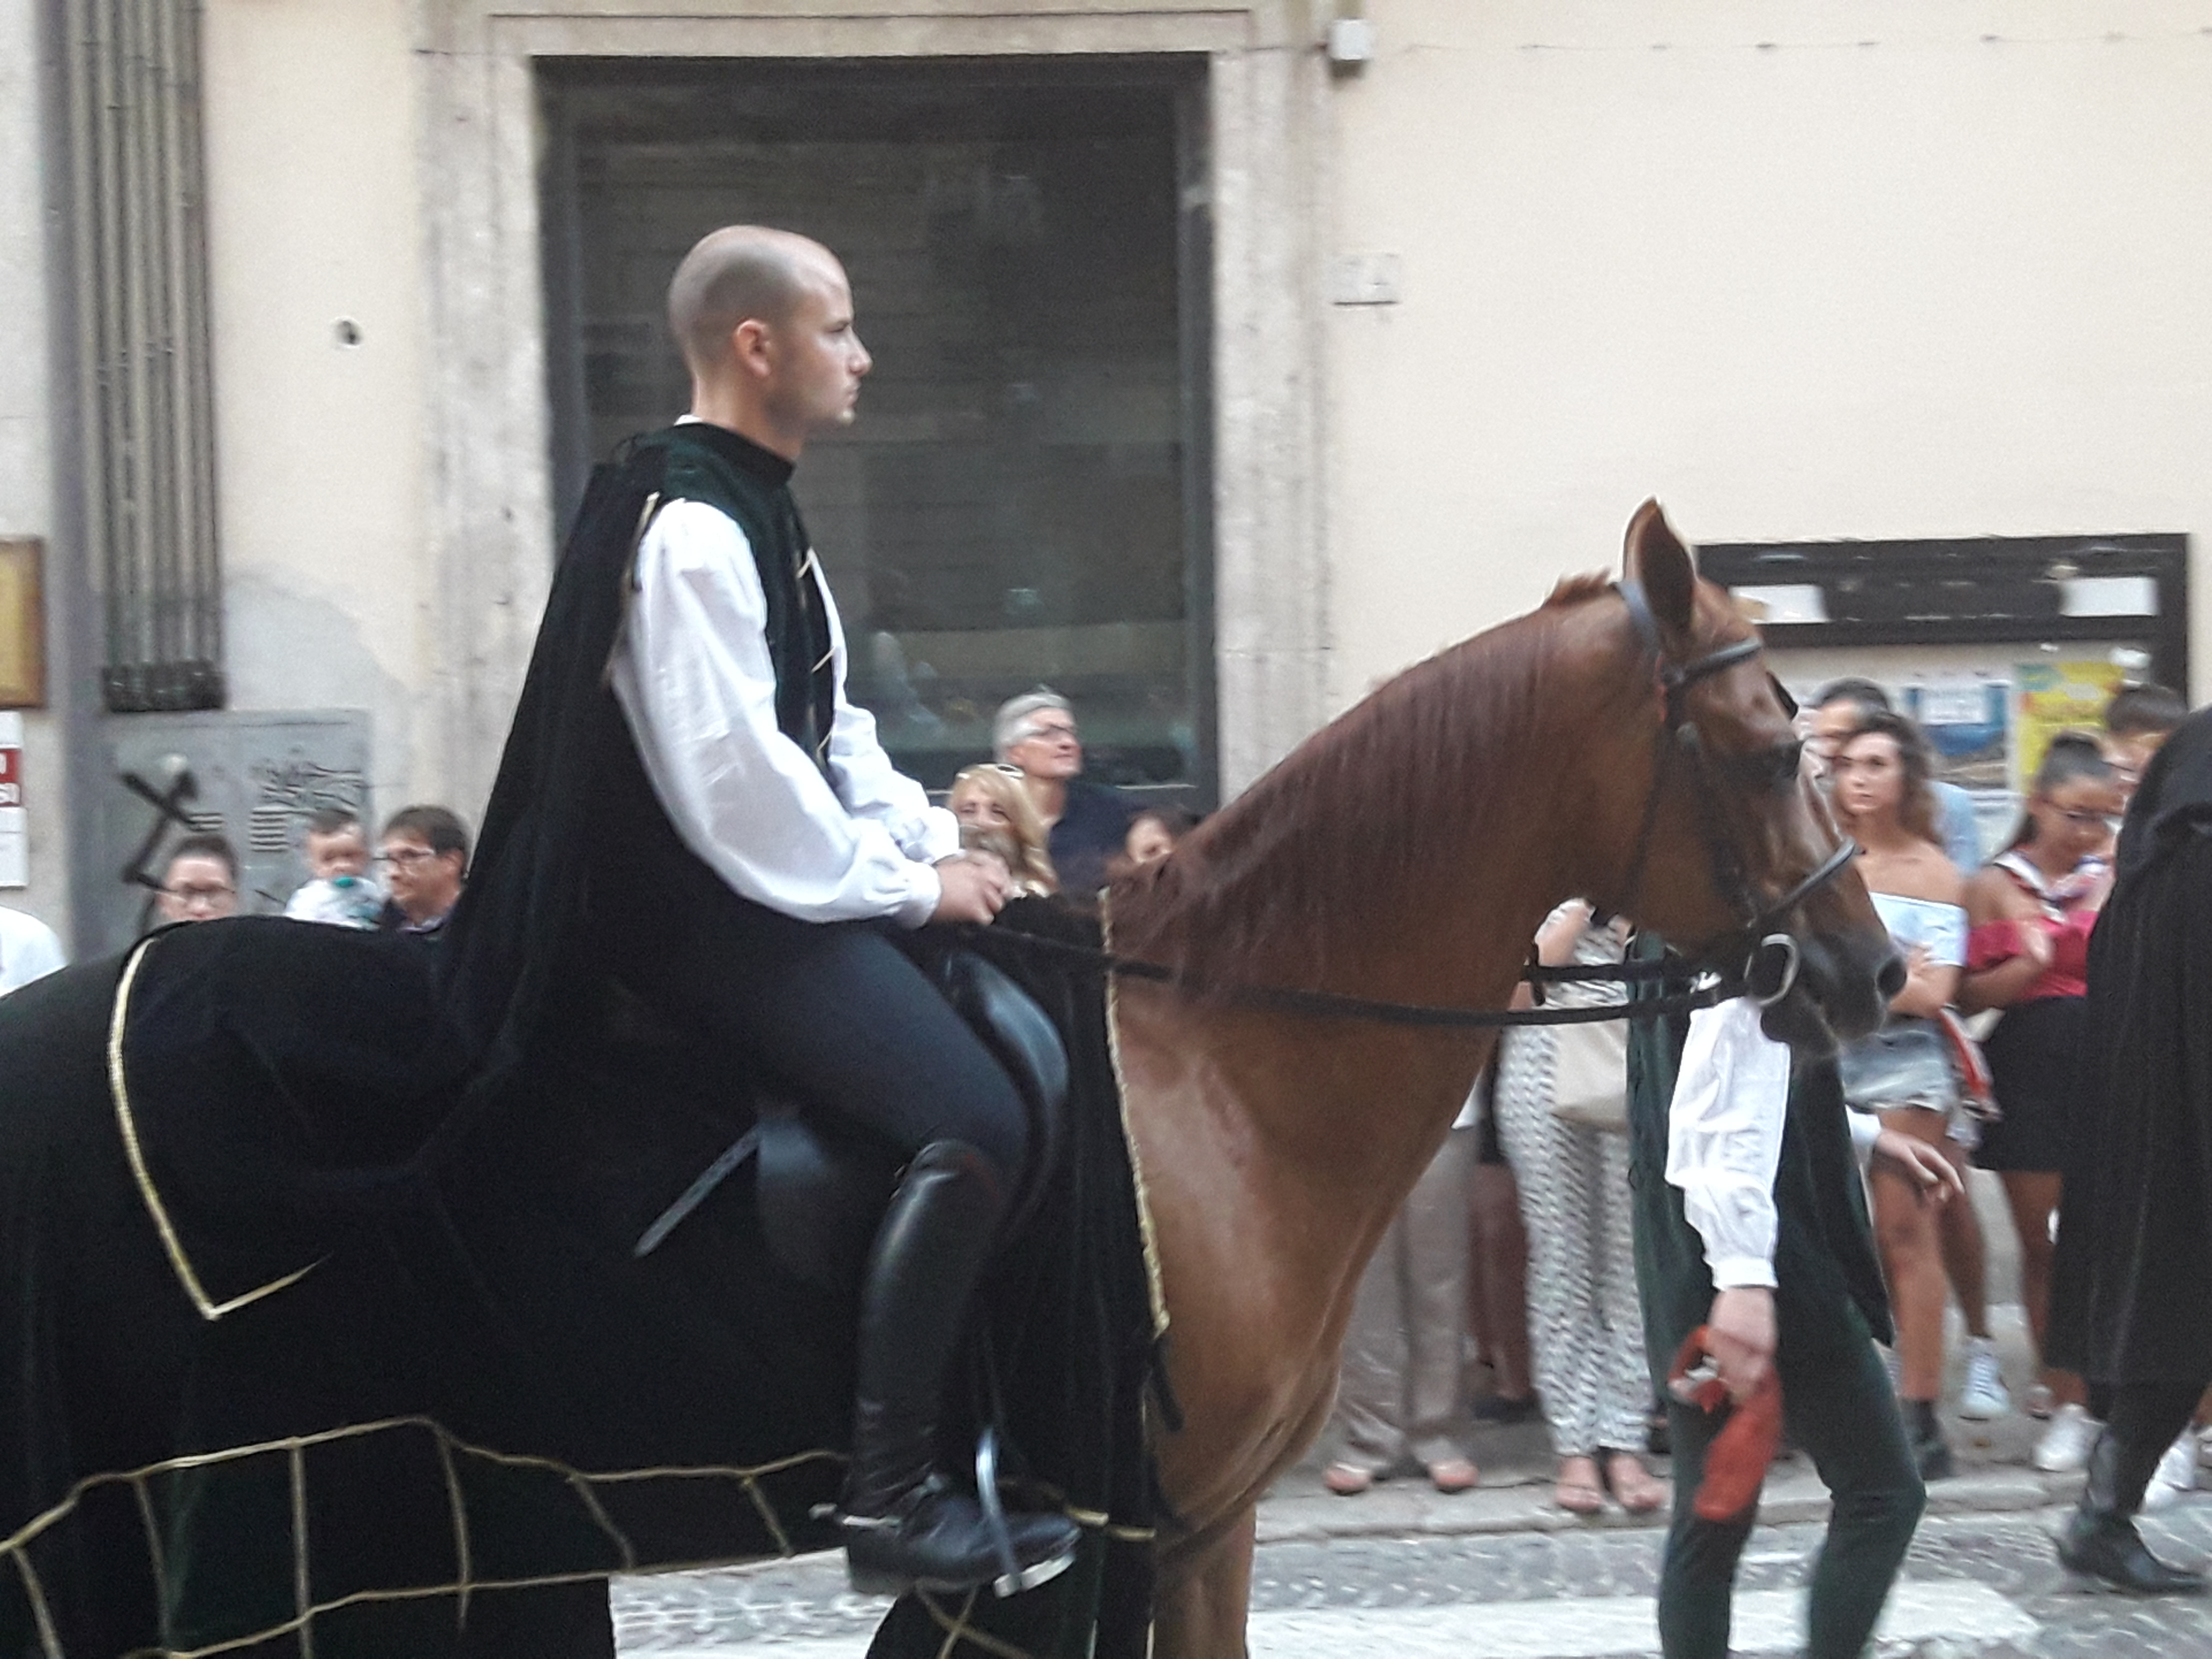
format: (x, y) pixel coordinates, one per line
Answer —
(424, 859)
(200, 882)
(1086, 823)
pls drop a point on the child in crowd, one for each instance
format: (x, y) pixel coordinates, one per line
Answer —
(340, 890)
(1153, 834)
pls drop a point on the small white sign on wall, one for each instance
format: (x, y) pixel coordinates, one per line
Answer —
(15, 821)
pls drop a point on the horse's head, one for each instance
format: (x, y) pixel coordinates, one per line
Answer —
(1722, 845)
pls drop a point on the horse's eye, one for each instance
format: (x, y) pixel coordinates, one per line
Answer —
(1782, 695)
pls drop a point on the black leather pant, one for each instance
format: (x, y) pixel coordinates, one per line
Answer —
(837, 1014)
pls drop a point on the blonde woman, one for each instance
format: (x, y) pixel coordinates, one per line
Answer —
(997, 815)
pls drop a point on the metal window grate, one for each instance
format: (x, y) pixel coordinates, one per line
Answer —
(132, 73)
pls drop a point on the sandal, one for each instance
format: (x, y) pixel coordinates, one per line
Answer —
(1347, 1479)
(1578, 1494)
(1453, 1474)
(1633, 1485)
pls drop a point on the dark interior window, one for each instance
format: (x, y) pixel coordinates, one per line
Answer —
(1022, 500)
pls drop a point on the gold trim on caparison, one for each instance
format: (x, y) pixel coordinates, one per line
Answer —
(49, 1638)
(1154, 1284)
(126, 1122)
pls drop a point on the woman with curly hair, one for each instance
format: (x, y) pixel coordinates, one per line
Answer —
(1903, 1074)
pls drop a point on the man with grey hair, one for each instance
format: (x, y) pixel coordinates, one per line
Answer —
(748, 856)
(1087, 823)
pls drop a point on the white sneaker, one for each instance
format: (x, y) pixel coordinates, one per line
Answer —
(2064, 1447)
(2176, 1474)
(2039, 1403)
(1982, 1395)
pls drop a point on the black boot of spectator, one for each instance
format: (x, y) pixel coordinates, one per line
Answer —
(2100, 1540)
(1931, 1453)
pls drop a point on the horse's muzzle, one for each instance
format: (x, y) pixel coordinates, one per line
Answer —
(1840, 989)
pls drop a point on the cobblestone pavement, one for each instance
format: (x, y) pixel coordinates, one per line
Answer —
(1976, 1587)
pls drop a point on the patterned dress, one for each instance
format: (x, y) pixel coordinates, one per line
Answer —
(1585, 1324)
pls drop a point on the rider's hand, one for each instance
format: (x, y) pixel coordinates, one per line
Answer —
(1740, 1332)
(1934, 1179)
(971, 887)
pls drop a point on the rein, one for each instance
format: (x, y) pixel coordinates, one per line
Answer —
(1336, 1005)
(1765, 969)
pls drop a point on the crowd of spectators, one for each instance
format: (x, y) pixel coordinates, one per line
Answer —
(1978, 1060)
(1055, 830)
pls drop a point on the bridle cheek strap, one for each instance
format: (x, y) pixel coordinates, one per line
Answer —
(1770, 957)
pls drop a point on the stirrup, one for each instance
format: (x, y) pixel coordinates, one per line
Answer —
(1013, 1577)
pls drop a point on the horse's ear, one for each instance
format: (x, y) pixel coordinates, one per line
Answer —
(1657, 560)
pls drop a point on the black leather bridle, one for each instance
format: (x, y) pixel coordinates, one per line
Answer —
(1757, 951)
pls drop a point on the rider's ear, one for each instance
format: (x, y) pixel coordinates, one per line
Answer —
(1657, 560)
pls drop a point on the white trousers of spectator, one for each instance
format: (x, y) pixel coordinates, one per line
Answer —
(1585, 1324)
(1400, 1393)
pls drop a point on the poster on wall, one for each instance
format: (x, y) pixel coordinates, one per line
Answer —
(2050, 697)
(14, 821)
(1965, 719)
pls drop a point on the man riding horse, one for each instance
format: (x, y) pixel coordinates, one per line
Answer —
(752, 858)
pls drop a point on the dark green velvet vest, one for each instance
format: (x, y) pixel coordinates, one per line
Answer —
(1829, 1293)
(733, 475)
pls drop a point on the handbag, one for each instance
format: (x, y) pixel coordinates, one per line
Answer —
(1590, 1072)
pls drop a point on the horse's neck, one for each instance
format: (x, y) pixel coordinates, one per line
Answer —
(1363, 1102)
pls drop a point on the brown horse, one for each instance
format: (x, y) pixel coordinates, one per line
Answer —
(1409, 853)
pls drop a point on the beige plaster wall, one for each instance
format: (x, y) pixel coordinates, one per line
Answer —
(315, 215)
(1889, 268)
(27, 404)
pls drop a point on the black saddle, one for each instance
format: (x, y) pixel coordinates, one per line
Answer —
(821, 1182)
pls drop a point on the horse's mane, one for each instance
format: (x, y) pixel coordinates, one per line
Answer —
(1356, 808)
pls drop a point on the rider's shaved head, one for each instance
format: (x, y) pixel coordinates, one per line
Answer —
(737, 274)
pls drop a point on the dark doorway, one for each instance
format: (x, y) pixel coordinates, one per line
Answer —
(1023, 498)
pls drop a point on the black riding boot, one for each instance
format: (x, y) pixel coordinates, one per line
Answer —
(2100, 1539)
(907, 1525)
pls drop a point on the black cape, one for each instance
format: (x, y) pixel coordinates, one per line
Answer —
(2131, 1295)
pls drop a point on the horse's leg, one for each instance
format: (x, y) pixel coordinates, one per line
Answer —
(1203, 1597)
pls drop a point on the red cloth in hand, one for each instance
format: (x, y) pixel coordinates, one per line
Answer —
(1736, 1461)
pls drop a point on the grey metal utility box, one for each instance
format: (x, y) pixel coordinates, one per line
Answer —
(255, 777)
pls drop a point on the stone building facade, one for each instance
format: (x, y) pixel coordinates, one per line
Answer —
(1440, 309)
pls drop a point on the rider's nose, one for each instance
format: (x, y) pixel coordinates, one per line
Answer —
(1891, 978)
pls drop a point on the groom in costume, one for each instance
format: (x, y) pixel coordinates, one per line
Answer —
(1749, 1221)
(689, 805)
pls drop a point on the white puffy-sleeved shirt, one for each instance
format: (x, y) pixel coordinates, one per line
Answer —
(694, 679)
(29, 951)
(1724, 1138)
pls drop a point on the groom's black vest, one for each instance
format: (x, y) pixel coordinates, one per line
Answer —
(737, 476)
